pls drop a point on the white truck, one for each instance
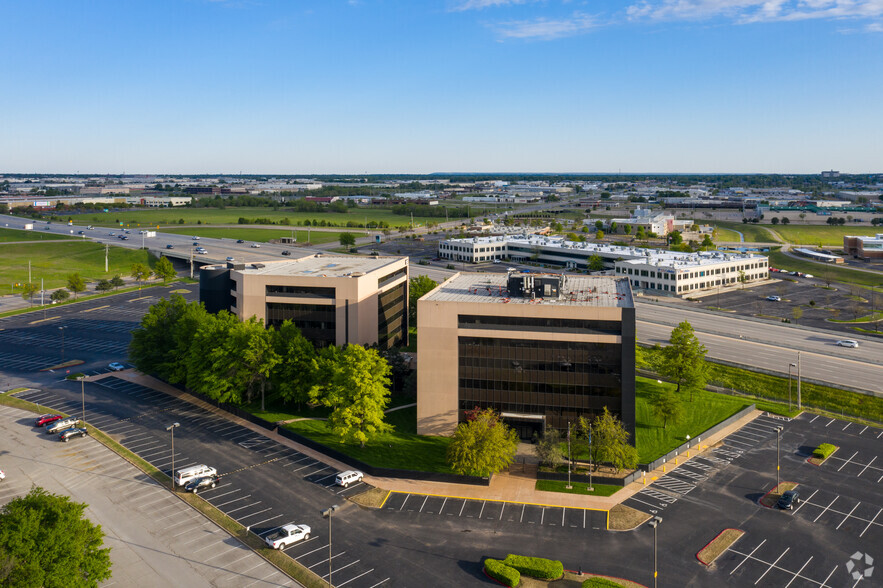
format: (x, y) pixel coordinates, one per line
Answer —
(286, 535)
(29, 227)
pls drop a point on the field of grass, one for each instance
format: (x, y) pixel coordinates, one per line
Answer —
(230, 216)
(753, 233)
(826, 271)
(12, 235)
(577, 488)
(264, 235)
(53, 262)
(821, 235)
(724, 234)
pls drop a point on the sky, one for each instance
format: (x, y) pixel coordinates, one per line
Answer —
(423, 86)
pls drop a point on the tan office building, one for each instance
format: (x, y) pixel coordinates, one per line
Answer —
(334, 300)
(542, 349)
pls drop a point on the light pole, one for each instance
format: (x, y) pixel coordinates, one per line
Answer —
(778, 436)
(62, 342)
(327, 514)
(790, 365)
(83, 397)
(654, 522)
(171, 429)
(569, 459)
(799, 402)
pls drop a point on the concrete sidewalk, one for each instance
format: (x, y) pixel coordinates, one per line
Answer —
(505, 487)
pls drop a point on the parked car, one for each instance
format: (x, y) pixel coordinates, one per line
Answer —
(497, 261)
(348, 477)
(774, 298)
(116, 366)
(2, 476)
(186, 475)
(788, 500)
(70, 433)
(286, 252)
(286, 535)
(47, 419)
(62, 425)
(204, 482)
(848, 343)
(230, 258)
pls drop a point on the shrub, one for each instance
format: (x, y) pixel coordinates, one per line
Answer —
(501, 572)
(823, 451)
(597, 582)
(536, 567)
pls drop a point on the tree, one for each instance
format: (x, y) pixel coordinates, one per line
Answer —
(683, 360)
(140, 271)
(599, 225)
(595, 263)
(29, 290)
(482, 446)
(742, 278)
(117, 281)
(599, 235)
(347, 239)
(667, 406)
(60, 295)
(641, 233)
(296, 373)
(49, 542)
(628, 229)
(613, 227)
(103, 285)
(418, 287)
(797, 313)
(355, 385)
(786, 220)
(164, 269)
(76, 284)
(548, 448)
(610, 441)
(675, 238)
(706, 242)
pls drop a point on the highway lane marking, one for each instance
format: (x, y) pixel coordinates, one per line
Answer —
(97, 308)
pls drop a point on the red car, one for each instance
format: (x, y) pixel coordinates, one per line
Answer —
(46, 419)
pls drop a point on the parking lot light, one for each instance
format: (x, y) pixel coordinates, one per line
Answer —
(654, 522)
(778, 436)
(62, 342)
(327, 514)
(171, 429)
(790, 365)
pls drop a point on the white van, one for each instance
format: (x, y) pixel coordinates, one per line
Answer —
(348, 477)
(185, 475)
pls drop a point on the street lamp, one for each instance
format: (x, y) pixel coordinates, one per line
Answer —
(62, 342)
(790, 365)
(799, 403)
(171, 429)
(778, 436)
(83, 397)
(654, 522)
(327, 514)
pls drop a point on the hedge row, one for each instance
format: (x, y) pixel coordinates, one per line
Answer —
(597, 582)
(535, 567)
(501, 572)
(823, 451)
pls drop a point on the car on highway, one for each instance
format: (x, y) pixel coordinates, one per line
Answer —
(62, 425)
(81, 232)
(348, 477)
(497, 261)
(124, 237)
(47, 419)
(170, 246)
(201, 251)
(255, 245)
(2, 476)
(848, 343)
(286, 252)
(204, 482)
(229, 258)
(195, 238)
(774, 298)
(116, 366)
(788, 500)
(287, 535)
(240, 241)
(112, 234)
(71, 433)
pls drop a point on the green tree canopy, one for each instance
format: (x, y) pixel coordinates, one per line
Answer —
(49, 543)
(610, 441)
(548, 448)
(417, 288)
(117, 281)
(482, 446)
(596, 263)
(103, 285)
(164, 269)
(76, 284)
(60, 294)
(683, 360)
(667, 406)
(140, 271)
(30, 290)
(347, 239)
(297, 372)
(355, 385)
(675, 238)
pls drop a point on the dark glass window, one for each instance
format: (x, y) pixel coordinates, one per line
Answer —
(391, 277)
(301, 292)
(317, 322)
(391, 313)
(539, 324)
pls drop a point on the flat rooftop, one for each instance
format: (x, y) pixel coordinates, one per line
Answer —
(599, 291)
(330, 266)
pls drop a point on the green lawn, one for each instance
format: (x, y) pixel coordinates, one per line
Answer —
(53, 262)
(724, 234)
(230, 216)
(753, 233)
(824, 271)
(577, 488)
(822, 235)
(11, 235)
(264, 235)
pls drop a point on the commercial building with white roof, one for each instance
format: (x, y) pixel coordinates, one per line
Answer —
(656, 271)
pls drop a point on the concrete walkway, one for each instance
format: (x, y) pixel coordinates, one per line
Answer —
(504, 487)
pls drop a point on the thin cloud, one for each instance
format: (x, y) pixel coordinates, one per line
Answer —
(546, 29)
(749, 11)
(482, 4)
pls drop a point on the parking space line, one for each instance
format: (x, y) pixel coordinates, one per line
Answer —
(225, 493)
(218, 506)
(482, 509)
(229, 512)
(825, 583)
(343, 567)
(826, 509)
(746, 557)
(326, 561)
(849, 515)
(871, 523)
(866, 467)
(443, 505)
(253, 514)
(542, 515)
(881, 433)
(863, 430)
(379, 583)
(802, 502)
(311, 552)
(406, 500)
(847, 461)
(264, 521)
(461, 508)
(772, 565)
(424, 503)
(356, 578)
(847, 426)
(830, 423)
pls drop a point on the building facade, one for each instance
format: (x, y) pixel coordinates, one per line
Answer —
(333, 300)
(655, 270)
(870, 248)
(542, 349)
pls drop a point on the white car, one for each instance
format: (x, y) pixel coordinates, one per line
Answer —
(286, 535)
(774, 298)
(2, 476)
(348, 477)
(848, 343)
(255, 245)
(116, 367)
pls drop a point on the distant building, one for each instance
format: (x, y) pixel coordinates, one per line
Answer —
(660, 223)
(870, 248)
(334, 300)
(542, 349)
(831, 174)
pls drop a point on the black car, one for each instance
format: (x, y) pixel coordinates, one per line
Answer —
(170, 246)
(788, 500)
(240, 241)
(65, 435)
(286, 252)
(205, 482)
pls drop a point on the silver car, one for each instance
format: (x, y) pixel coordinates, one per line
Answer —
(62, 425)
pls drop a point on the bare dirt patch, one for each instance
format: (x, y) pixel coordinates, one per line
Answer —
(718, 545)
(626, 518)
(770, 499)
(372, 498)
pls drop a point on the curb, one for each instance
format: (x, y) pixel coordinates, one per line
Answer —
(708, 563)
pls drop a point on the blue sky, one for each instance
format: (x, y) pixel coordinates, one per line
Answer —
(396, 86)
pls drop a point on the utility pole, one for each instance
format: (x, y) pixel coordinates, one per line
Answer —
(29, 271)
(191, 263)
(569, 460)
(799, 402)
(106, 249)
